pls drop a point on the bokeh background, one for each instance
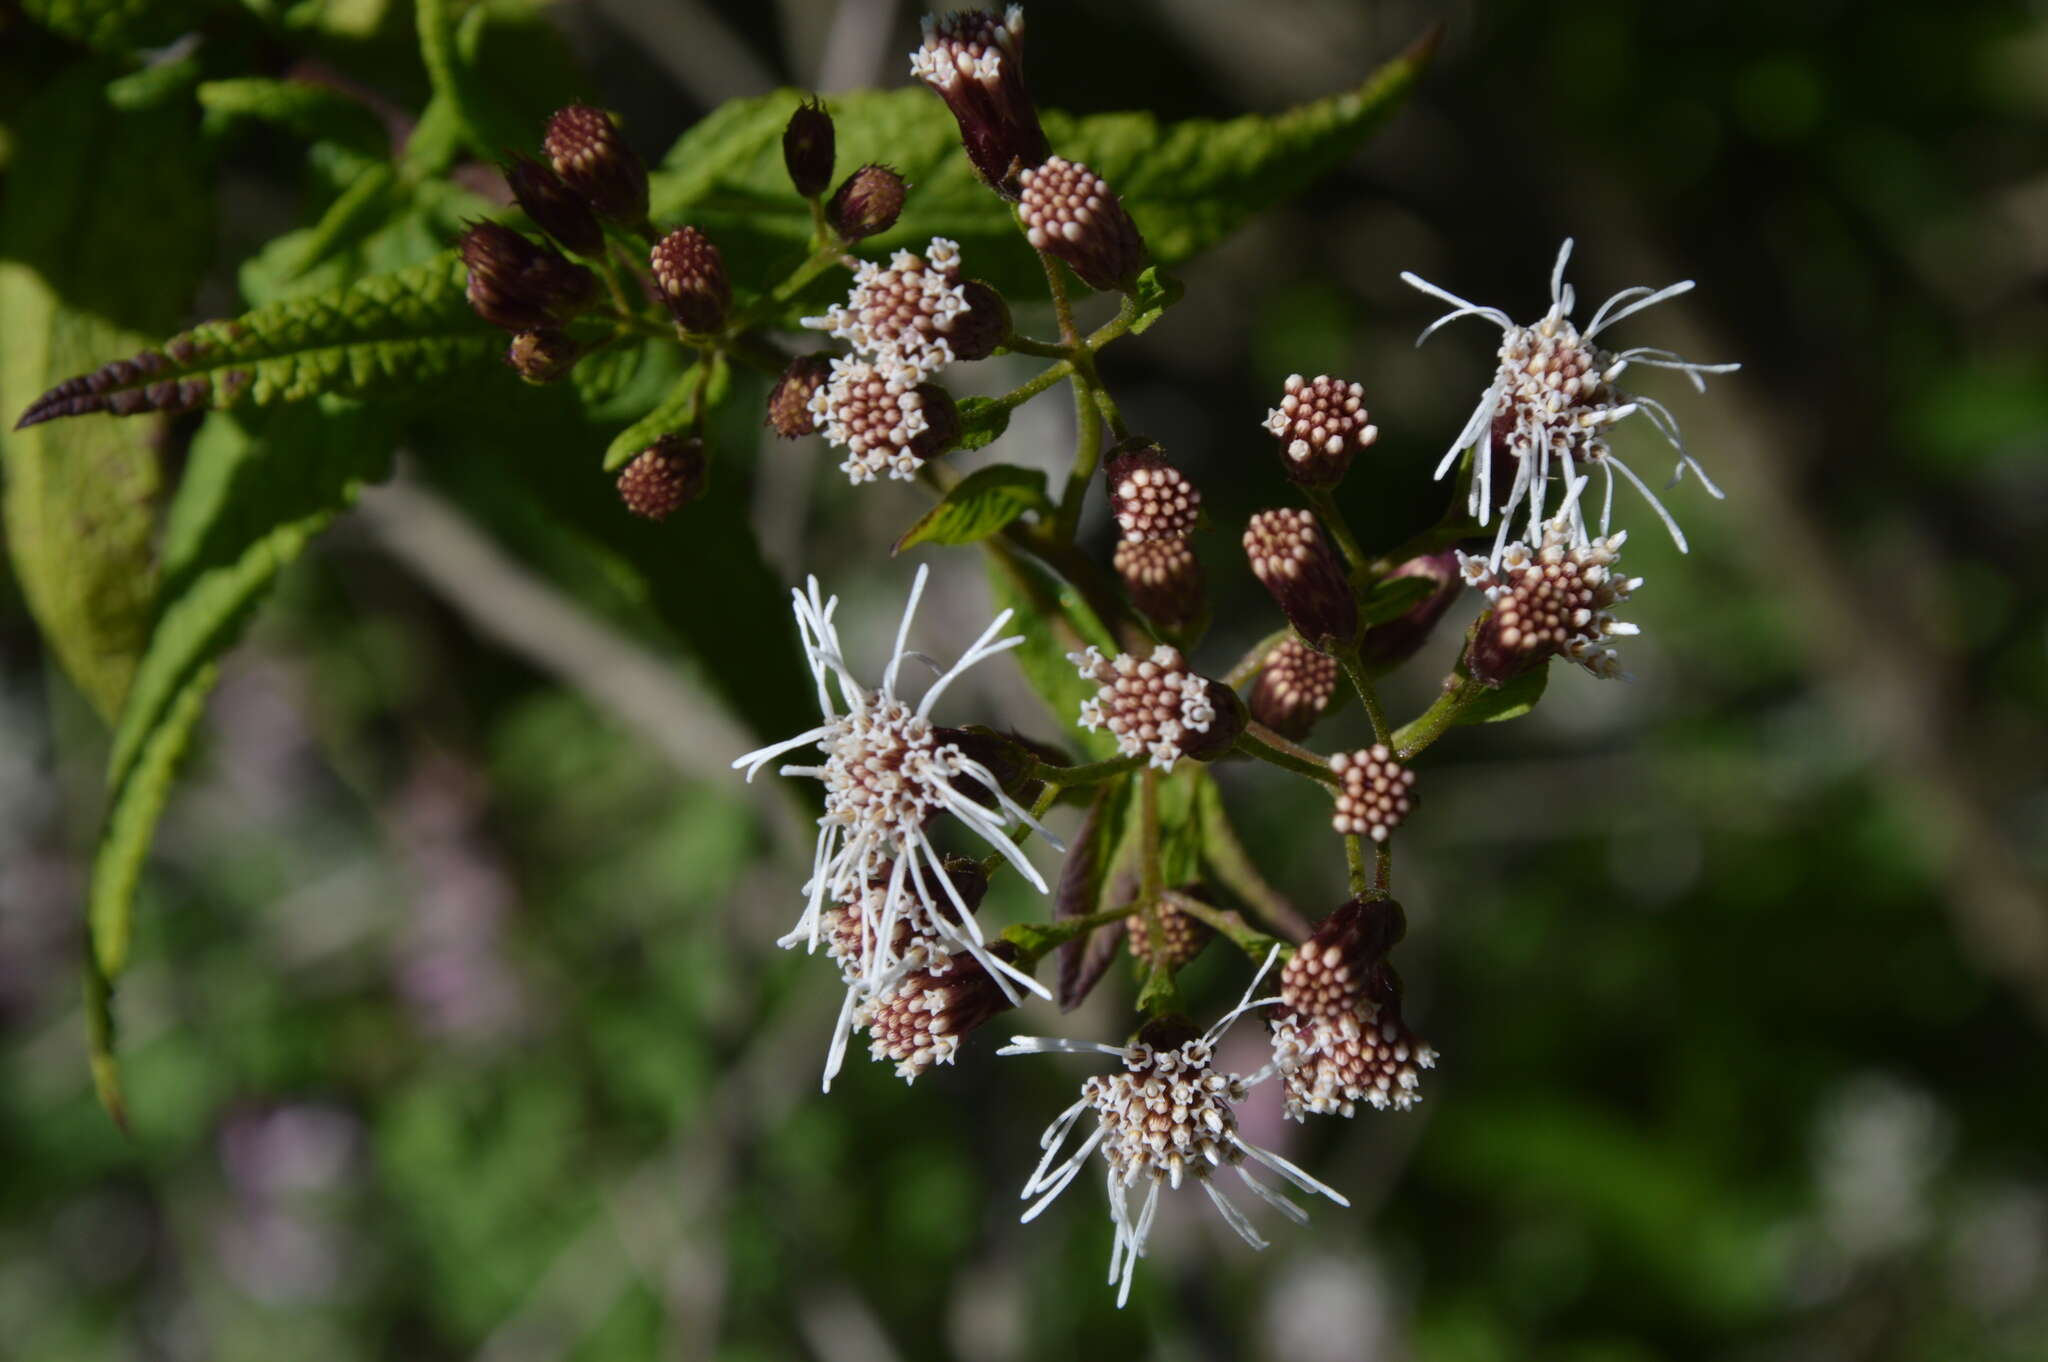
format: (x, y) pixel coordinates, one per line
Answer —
(457, 1030)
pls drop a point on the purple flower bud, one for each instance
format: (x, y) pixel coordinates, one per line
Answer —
(1295, 686)
(593, 159)
(1070, 213)
(1320, 423)
(542, 356)
(554, 207)
(789, 404)
(807, 149)
(668, 475)
(1163, 577)
(1294, 562)
(690, 273)
(868, 203)
(974, 60)
(520, 285)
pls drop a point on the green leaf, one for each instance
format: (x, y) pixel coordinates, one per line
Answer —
(317, 113)
(982, 422)
(389, 333)
(252, 497)
(78, 281)
(1393, 597)
(1511, 701)
(1054, 622)
(1187, 184)
(671, 415)
(117, 25)
(979, 505)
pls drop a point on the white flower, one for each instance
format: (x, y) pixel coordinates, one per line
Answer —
(887, 771)
(1553, 398)
(1155, 706)
(1168, 1117)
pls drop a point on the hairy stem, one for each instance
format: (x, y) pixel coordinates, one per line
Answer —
(1419, 732)
(1381, 733)
(1094, 772)
(1325, 507)
(1354, 861)
(1232, 927)
(1261, 742)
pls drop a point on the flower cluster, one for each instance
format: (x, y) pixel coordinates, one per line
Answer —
(1338, 1037)
(1157, 509)
(1157, 706)
(913, 316)
(1552, 599)
(1372, 792)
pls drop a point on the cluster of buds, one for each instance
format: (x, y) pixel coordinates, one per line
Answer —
(1156, 510)
(1295, 563)
(664, 477)
(1320, 424)
(974, 60)
(1372, 792)
(1295, 686)
(885, 424)
(1159, 706)
(915, 315)
(1338, 1037)
(1181, 934)
(529, 289)
(689, 274)
(1069, 212)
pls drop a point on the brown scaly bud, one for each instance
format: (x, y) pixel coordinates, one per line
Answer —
(921, 1019)
(1183, 934)
(1069, 212)
(1389, 644)
(1295, 686)
(1163, 577)
(1338, 1036)
(1552, 599)
(542, 356)
(979, 330)
(868, 202)
(690, 273)
(593, 159)
(974, 60)
(807, 148)
(789, 403)
(554, 207)
(1320, 423)
(1373, 794)
(668, 475)
(520, 285)
(1150, 498)
(1294, 562)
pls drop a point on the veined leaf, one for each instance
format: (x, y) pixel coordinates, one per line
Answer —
(979, 505)
(1054, 621)
(79, 281)
(316, 113)
(392, 332)
(982, 422)
(670, 415)
(1187, 184)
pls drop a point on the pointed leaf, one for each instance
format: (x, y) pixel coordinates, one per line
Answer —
(979, 505)
(1393, 597)
(1511, 701)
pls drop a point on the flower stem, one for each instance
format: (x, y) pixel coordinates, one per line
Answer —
(1326, 510)
(1419, 732)
(1087, 452)
(1232, 927)
(1354, 860)
(1158, 997)
(1261, 742)
(1381, 733)
(1091, 773)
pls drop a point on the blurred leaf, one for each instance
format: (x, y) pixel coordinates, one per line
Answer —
(253, 496)
(78, 281)
(117, 25)
(389, 333)
(669, 416)
(1054, 621)
(1511, 701)
(1084, 876)
(499, 69)
(979, 505)
(1188, 184)
(1392, 597)
(316, 113)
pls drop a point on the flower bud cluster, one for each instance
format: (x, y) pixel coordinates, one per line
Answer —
(1320, 424)
(1372, 794)
(665, 477)
(974, 60)
(1158, 706)
(1156, 509)
(1338, 1037)
(1071, 213)
(1182, 934)
(885, 423)
(1296, 565)
(914, 316)
(1295, 686)
(1550, 600)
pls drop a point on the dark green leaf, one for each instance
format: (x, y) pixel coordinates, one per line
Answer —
(982, 422)
(1511, 701)
(979, 505)
(1392, 597)
(78, 282)
(316, 113)
(1054, 622)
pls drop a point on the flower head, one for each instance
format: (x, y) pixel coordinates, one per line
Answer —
(1150, 498)
(884, 421)
(1168, 1117)
(587, 151)
(1553, 398)
(666, 476)
(1298, 568)
(1295, 686)
(1372, 792)
(1071, 212)
(1554, 598)
(1321, 423)
(974, 60)
(1338, 1037)
(1163, 576)
(1157, 705)
(900, 316)
(888, 772)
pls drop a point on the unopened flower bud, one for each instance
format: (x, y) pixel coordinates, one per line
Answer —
(690, 273)
(587, 151)
(1070, 213)
(668, 475)
(1150, 498)
(1372, 794)
(1294, 562)
(520, 285)
(1182, 933)
(789, 403)
(554, 207)
(1320, 423)
(977, 332)
(974, 60)
(807, 149)
(921, 1019)
(867, 203)
(1294, 688)
(1163, 577)
(542, 356)
(1393, 642)
(1330, 974)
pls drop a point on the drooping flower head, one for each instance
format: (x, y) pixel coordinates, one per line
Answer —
(1552, 400)
(1338, 1036)
(888, 772)
(1168, 1117)
(974, 60)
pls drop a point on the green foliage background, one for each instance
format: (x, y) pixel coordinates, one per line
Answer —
(452, 1024)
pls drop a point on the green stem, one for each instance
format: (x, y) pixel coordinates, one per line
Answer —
(1158, 997)
(1261, 742)
(995, 860)
(1091, 773)
(1249, 665)
(1383, 865)
(1087, 453)
(1231, 926)
(1025, 345)
(1354, 860)
(1418, 733)
(1333, 520)
(1223, 853)
(1381, 733)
